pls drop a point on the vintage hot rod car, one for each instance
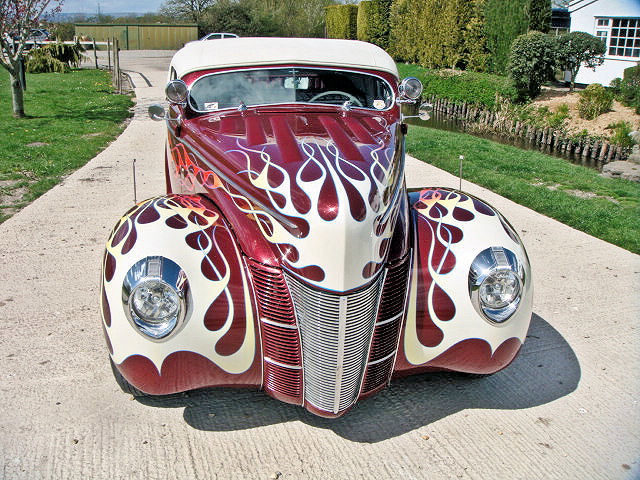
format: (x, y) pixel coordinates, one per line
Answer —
(287, 253)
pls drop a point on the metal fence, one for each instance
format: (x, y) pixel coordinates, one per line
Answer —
(140, 37)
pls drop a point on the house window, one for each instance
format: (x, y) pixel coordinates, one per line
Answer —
(603, 22)
(625, 37)
(602, 35)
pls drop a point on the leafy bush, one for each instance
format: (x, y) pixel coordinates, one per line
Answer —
(531, 63)
(54, 57)
(342, 21)
(556, 120)
(594, 100)
(630, 88)
(621, 131)
(472, 87)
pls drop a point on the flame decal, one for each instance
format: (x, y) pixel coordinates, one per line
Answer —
(183, 229)
(451, 228)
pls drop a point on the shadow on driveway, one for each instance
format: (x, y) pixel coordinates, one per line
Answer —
(546, 369)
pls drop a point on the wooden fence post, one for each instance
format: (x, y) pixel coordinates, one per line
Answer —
(95, 53)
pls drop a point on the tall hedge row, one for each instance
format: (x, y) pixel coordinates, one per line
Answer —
(504, 22)
(430, 32)
(342, 21)
(365, 14)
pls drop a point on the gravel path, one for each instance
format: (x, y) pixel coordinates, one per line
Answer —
(566, 409)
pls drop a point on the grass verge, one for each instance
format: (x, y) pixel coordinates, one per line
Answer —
(461, 86)
(574, 195)
(71, 117)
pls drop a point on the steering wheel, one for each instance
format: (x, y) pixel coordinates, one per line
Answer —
(350, 97)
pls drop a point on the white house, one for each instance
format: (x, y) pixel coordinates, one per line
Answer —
(617, 22)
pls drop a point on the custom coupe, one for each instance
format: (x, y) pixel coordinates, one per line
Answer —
(287, 253)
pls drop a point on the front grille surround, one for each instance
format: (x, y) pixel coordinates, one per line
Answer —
(335, 331)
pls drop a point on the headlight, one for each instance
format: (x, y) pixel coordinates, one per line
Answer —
(496, 281)
(154, 296)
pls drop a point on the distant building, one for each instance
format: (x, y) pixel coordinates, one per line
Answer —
(560, 18)
(617, 23)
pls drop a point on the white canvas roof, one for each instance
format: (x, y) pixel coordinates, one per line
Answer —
(235, 52)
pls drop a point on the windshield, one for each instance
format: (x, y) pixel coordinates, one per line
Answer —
(288, 85)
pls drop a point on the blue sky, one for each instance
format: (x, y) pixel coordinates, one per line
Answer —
(110, 6)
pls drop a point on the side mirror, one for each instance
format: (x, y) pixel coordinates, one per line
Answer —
(176, 91)
(156, 112)
(424, 112)
(409, 90)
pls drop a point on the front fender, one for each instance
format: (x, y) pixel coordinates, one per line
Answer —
(217, 343)
(442, 328)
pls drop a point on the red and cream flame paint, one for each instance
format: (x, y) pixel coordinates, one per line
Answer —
(312, 197)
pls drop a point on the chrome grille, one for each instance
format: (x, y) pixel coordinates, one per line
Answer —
(335, 332)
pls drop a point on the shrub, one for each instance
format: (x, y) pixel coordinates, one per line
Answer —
(531, 63)
(630, 88)
(342, 21)
(540, 15)
(54, 57)
(621, 131)
(594, 100)
(474, 37)
(556, 120)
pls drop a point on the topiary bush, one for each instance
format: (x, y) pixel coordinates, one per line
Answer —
(532, 63)
(342, 21)
(594, 101)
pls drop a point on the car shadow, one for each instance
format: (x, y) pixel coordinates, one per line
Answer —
(546, 369)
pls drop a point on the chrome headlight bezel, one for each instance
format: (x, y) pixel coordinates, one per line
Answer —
(487, 265)
(165, 274)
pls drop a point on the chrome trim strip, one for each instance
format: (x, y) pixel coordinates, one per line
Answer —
(390, 319)
(381, 359)
(278, 324)
(280, 364)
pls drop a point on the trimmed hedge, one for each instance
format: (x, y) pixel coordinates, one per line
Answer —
(342, 21)
(365, 14)
(429, 32)
(504, 22)
(482, 89)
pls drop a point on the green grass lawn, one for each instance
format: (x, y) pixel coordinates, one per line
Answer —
(540, 182)
(74, 114)
(461, 86)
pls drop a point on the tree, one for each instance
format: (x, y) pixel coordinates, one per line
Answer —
(532, 62)
(190, 10)
(575, 49)
(17, 18)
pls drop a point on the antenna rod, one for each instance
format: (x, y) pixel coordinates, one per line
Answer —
(135, 193)
(461, 157)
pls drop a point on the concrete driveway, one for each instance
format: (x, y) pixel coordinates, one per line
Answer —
(567, 408)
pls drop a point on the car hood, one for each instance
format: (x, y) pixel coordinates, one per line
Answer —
(322, 186)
